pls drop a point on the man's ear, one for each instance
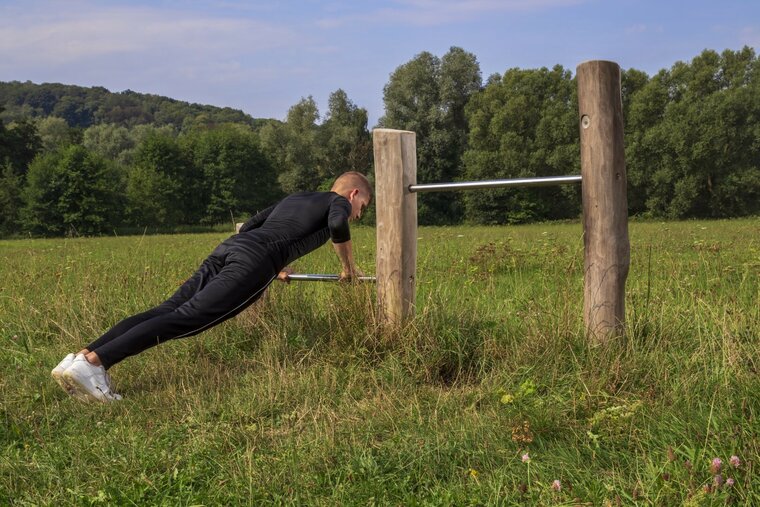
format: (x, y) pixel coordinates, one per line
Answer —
(353, 194)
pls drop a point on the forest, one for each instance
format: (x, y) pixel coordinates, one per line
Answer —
(86, 161)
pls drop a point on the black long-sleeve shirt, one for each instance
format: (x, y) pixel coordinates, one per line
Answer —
(295, 226)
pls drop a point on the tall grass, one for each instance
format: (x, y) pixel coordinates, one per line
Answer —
(300, 400)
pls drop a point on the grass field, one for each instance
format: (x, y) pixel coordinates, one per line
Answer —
(300, 401)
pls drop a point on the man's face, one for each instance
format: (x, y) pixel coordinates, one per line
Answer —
(359, 202)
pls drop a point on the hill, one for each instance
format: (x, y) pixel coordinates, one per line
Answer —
(83, 107)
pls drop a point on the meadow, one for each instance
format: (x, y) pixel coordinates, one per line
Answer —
(490, 396)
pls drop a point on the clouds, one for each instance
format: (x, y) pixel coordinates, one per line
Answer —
(213, 57)
(70, 37)
(262, 56)
(440, 12)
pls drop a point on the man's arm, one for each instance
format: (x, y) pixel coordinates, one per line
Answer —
(346, 255)
(337, 223)
(257, 220)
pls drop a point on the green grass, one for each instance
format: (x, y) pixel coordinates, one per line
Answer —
(301, 401)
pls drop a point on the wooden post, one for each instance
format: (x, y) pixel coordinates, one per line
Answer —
(605, 205)
(396, 209)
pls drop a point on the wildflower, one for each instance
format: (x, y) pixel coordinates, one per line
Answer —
(718, 480)
(716, 465)
(473, 473)
(729, 482)
(556, 485)
(507, 399)
(525, 458)
(735, 462)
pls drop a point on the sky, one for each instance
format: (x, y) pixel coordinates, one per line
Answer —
(264, 56)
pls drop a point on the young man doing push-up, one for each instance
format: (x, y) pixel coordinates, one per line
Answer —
(233, 277)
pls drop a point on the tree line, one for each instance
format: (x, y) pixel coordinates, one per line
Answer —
(57, 179)
(692, 147)
(83, 107)
(692, 135)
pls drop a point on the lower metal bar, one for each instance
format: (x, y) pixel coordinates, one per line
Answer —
(301, 277)
(519, 182)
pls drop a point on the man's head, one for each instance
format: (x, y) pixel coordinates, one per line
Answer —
(357, 189)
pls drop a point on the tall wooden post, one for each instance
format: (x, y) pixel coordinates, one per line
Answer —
(396, 209)
(605, 205)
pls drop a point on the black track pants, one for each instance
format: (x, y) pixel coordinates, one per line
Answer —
(227, 283)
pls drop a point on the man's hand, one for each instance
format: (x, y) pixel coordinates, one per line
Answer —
(284, 275)
(351, 274)
(346, 256)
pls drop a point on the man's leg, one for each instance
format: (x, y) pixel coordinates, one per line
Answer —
(227, 294)
(205, 273)
(91, 380)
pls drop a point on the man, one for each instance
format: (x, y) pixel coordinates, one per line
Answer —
(233, 277)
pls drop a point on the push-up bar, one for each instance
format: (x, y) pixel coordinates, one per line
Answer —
(301, 277)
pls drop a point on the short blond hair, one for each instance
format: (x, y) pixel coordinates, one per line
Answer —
(350, 180)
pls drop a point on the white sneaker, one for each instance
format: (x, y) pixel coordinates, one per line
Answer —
(91, 380)
(57, 373)
(70, 389)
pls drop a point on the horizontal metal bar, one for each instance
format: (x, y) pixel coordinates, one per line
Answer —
(302, 277)
(518, 182)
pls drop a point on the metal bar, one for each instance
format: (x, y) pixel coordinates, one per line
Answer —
(302, 277)
(518, 182)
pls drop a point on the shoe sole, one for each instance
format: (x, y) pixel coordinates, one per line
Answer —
(70, 389)
(58, 377)
(81, 389)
